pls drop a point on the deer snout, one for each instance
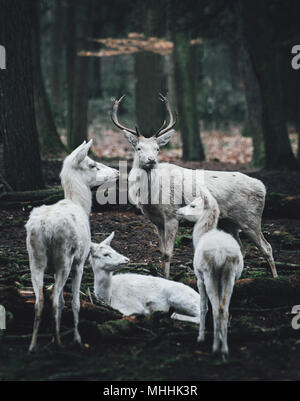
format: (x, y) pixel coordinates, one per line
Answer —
(126, 260)
(151, 159)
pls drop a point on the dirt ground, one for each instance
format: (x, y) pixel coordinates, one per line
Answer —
(263, 346)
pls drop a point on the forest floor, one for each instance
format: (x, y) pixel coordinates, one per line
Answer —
(263, 345)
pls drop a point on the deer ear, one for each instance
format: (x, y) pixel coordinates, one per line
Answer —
(131, 138)
(164, 139)
(81, 152)
(108, 240)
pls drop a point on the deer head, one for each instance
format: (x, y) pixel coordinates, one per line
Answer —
(81, 168)
(146, 149)
(104, 257)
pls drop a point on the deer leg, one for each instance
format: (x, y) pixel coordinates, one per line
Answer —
(203, 309)
(257, 237)
(76, 281)
(37, 276)
(61, 277)
(38, 264)
(171, 227)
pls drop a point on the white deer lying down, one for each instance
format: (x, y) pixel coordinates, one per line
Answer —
(138, 294)
(58, 236)
(241, 199)
(218, 263)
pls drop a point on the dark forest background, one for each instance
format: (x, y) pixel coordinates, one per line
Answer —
(221, 63)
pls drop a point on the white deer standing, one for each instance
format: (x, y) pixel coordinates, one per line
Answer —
(59, 239)
(241, 199)
(218, 263)
(136, 293)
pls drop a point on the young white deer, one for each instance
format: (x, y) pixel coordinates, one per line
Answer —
(58, 236)
(241, 199)
(218, 263)
(135, 293)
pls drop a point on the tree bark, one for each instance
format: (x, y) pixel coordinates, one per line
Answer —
(57, 67)
(186, 88)
(254, 109)
(149, 110)
(70, 63)
(22, 163)
(50, 142)
(259, 32)
(82, 75)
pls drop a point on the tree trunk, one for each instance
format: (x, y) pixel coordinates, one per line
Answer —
(149, 110)
(57, 67)
(258, 31)
(185, 79)
(22, 163)
(80, 93)
(70, 63)
(50, 141)
(95, 87)
(254, 109)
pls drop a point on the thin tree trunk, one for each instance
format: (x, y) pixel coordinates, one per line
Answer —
(258, 31)
(170, 72)
(80, 96)
(149, 110)
(22, 163)
(50, 142)
(57, 67)
(70, 63)
(185, 78)
(254, 109)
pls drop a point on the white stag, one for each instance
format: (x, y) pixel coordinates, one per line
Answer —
(138, 294)
(241, 199)
(218, 263)
(59, 239)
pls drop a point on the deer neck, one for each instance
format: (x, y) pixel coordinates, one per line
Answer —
(147, 182)
(208, 221)
(79, 193)
(102, 286)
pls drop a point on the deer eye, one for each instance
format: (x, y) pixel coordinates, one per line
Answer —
(193, 206)
(138, 148)
(107, 255)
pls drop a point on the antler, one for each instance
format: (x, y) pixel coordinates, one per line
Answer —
(114, 117)
(172, 121)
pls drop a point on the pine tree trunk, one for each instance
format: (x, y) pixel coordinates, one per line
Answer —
(22, 163)
(50, 142)
(186, 89)
(258, 31)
